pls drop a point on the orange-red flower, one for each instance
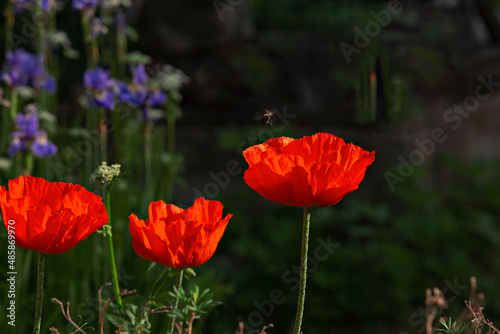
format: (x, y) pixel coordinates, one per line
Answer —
(179, 238)
(316, 170)
(50, 217)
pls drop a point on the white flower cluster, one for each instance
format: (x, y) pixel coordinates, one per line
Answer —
(171, 78)
(104, 174)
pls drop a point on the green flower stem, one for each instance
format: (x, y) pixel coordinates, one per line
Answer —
(112, 252)
(29, 164)
(9, 118)
(172, 169)
(94, 123)
(10, 19)
(148, 161)
(170, 126)
(52, 62)
(104, 135)
(40, 25)
(90, 42)
(117, 121)
(121, 50)
(89, 125)
(39, 20)
(13, 105)
(303, 272)
(5, 129)
(156, 282)
(178, 284)
(39, 293)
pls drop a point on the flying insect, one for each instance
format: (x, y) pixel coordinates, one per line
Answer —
(267, 118)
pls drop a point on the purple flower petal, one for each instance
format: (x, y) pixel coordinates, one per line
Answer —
(85, 4)
(23, 68)
(27, 124)
(104, 99)
(156, 97)
(140, 77)
(16, 146)
(42, 148)
(98, 79)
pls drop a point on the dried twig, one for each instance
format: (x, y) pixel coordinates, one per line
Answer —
(102, 311)
(263, 331)
(103, 305)
(67, 315)
(480, 320)
(476, 299)
(434, 300)
(241, 328)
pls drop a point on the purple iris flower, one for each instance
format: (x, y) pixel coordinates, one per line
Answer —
(138, 94)
(85, 4)
(22, 5)
(22, 68)
(30, 136)
(101, 85)
(120, 21)
(133, 95)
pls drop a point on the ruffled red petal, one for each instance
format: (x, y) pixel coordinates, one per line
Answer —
(273, 146)
(50, 217)
(316, 170)
(179, 238)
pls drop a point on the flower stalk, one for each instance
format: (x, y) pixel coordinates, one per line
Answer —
(13, 104)
(303, 271)
(29, 164)
(41, 31)
(10, 19)
(104, 135)
(148, 160)
(121, 50)
(104, 176)
(39, 293)
(116, 286)
(178, 284)
(90, 42)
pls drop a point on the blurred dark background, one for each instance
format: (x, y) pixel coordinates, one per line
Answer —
(434, 225)
(414, 81)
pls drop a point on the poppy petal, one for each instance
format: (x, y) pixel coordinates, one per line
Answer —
(179, 238)
(50, 217)
(316, 170)
(256, 153)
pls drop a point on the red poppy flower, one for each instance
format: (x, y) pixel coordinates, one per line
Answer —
(317, 170)
(50, 217)
(179, 238)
